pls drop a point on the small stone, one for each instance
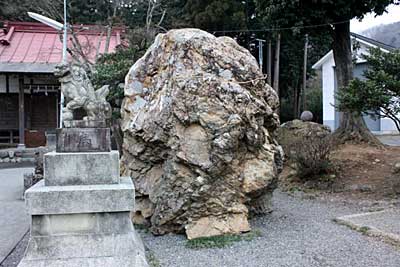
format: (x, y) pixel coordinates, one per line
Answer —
(13, 160)
(396, 168)
(361, 188)
(6, 160)
(377, 160)
(306, 116)
(3, 154)
(18, 160)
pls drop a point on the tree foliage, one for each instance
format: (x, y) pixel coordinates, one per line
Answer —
(336, 14)
(379, 94)
(288, 17)
(112, 68)
(217, 15)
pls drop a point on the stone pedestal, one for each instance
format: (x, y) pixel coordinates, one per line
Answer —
(80, 211)
(83, 140)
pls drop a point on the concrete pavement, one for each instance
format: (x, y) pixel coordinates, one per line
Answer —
(390, 140)
(14, 221)
(383, 224)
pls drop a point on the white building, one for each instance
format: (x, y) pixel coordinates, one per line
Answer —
(331, 117)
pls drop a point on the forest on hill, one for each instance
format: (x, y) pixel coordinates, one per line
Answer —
(388, 34)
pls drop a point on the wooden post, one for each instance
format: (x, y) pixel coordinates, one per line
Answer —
(7, 83)
(269, 63)
(277, 57)
(305, 73)
(21, 112)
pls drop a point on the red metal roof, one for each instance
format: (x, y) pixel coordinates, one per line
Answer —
(26, 42)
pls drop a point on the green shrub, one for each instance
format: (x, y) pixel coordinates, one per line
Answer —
(112, 68)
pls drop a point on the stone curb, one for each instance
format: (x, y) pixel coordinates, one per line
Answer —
(368, 230)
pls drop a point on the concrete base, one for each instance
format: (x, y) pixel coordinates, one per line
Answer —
(110, 250)
(86, 225)
(81, 211)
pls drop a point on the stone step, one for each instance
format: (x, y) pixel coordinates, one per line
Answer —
(85, 250)
(86, 168)
(84, 223)
(44, 200)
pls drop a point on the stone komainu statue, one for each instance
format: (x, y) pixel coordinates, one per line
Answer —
(79, 93)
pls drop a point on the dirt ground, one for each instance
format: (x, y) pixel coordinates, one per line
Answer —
(359, 172)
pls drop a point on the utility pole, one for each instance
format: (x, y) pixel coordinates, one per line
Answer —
(277, 57)
(260, 53)
(269, 63)
(305, 73)
(64, 60)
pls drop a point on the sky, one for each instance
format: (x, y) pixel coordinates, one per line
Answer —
(370, 20)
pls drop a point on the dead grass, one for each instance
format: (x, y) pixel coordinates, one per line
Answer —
(361, 171)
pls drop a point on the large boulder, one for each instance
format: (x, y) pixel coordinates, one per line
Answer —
(198, 121)
(292, 132)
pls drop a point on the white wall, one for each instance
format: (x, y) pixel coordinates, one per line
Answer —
(328, 92)
(388, 126)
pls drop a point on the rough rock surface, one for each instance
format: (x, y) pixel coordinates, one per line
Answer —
(198, 120)
(294, 131)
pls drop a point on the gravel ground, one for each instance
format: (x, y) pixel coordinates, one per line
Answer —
(300, 232)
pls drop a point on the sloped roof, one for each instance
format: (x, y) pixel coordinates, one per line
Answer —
(34, 47)
(373, 42)
(368, 41)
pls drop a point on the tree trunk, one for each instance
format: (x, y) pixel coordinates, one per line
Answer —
(295, 103)
(352, 127)
(276, 64)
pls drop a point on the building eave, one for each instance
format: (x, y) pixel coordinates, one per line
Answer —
(321, 62)
(359, 38)
(12, 67)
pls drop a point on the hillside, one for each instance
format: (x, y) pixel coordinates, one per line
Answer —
(388, 34)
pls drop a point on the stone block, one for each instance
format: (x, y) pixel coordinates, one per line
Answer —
(45, 200)
(83, 140)
(51, 140)
(83, 223)
(81, 168)
(84, 124)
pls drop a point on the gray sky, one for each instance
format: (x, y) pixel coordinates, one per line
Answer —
(370, 20)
